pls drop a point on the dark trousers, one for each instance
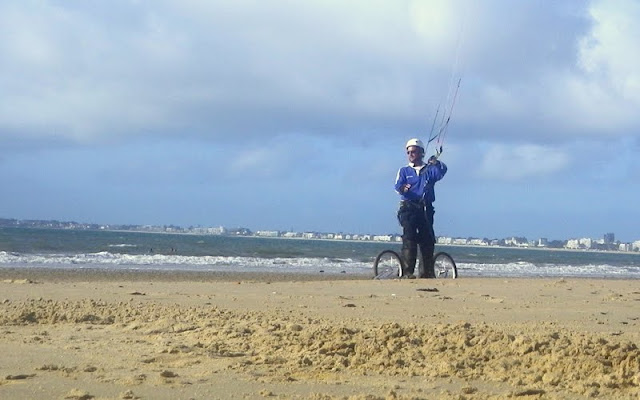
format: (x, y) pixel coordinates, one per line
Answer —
(416, 220)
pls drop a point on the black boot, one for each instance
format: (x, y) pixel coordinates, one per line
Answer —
(409, 256)
(425, 268)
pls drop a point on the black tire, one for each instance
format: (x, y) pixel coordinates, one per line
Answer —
(394, 270)
(444, 267)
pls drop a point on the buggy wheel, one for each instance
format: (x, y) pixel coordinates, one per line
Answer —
(444, 267)
(387, 265)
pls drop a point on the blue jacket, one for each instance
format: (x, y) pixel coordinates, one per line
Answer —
(422, 183)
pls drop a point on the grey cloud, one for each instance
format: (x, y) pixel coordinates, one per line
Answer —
(260, 69)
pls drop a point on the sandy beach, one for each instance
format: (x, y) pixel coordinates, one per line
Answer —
(79, 335)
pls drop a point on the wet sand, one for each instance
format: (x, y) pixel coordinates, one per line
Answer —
(93, 335)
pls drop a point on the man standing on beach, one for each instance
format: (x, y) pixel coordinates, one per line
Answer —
(415, 184)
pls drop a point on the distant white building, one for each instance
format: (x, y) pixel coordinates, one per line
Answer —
(382, 238)
(220, 230)
(572, 244)
(586, 243)
(459, 241)
(624, 247)
(542, 242)
(635, 246)
(268, 233)
(514, 241)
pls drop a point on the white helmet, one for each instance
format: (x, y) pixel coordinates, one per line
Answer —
(415, 142)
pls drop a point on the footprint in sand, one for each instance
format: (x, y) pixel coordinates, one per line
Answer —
(19, 377)
(77, 394)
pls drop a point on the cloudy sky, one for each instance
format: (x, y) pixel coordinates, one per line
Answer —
(274, 114)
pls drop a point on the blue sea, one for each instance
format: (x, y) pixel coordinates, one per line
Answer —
(109, 250)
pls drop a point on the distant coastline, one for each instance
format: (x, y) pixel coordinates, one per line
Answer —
(450, 245)
(572, 245)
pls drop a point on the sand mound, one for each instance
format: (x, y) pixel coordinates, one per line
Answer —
(296, 347)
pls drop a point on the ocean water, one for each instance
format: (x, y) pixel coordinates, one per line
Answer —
(77, 249)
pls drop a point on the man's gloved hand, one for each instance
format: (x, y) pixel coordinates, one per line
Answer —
(432, 168)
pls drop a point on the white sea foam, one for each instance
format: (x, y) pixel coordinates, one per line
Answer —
(526, 269)
(177, 262)
(108, 260)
